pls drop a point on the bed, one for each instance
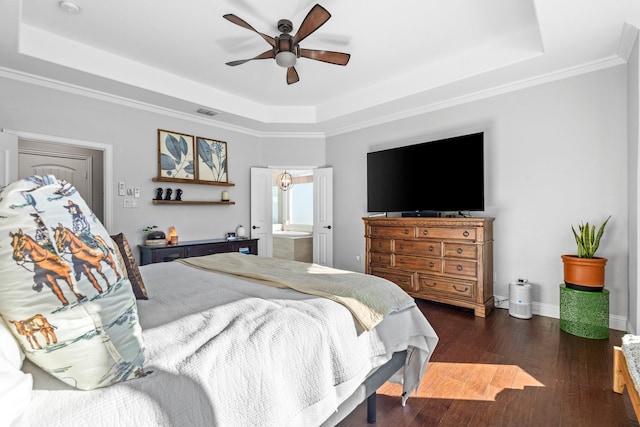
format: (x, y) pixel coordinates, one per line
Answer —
(626, 369)
(227, 350)
(88, 338)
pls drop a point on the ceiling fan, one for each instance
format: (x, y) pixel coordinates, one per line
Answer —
(286, 48)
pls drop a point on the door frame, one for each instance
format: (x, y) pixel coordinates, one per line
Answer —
(107, 166)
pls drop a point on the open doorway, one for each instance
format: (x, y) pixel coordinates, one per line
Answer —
(292, 215)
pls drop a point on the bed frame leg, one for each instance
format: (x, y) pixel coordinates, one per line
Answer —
(371, 408)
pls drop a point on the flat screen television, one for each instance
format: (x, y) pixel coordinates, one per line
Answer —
(438, 176)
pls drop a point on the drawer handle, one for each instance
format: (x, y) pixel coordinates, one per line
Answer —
(431, 285)
(425, 232)
(459, 250)
(406, 231)
(466, 233)
(401, 246)
(465, 289)
(379, 244)
(379, 258)
(459, 267)
(431, 249)
(431, 264)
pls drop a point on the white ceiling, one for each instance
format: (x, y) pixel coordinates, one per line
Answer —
(406, 55)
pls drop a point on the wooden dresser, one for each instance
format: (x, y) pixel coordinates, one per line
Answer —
(448, 260)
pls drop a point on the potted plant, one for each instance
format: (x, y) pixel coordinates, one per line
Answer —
(585, 271)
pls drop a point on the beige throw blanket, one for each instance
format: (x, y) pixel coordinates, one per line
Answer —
(369, 298)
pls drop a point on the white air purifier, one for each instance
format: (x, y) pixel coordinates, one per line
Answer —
(520, 300)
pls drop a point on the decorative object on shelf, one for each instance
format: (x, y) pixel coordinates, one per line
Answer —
(225, 196)
(173, 236)
(154, 238)
(585, 271)
(159, 193)
(231, 236)
(285, 181)
(212, 160)
(178, 195)
(175, 156)
(241, 232)
(168, 194)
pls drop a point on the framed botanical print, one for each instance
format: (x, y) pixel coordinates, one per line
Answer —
(175, 156)
(212, 160)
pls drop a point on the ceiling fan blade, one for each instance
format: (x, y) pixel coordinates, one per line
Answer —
(316, 17)
(238, 21)
(292, 76)
(264, 55)
(337, 58)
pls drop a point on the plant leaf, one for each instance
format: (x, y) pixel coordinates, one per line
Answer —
(173, 147)
(167, 162)
(189, 168)
(183, 146)
(204, 151)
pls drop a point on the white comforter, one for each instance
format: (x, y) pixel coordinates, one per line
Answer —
(228, 352)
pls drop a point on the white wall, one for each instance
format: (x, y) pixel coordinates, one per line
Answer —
(570, 133)
(633, 129)
(133, 134)
(555, 154)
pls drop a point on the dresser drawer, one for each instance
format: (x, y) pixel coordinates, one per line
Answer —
(456, 289)
(393, 231)
(418, 263)
(404, 280)
(167, 254)
(466, 233)
(202, 250)
(460, 267)
(460, 250)
(380, 259)
(415, 247)
(380, 245)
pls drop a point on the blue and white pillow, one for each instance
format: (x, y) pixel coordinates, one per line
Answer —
(63, 293)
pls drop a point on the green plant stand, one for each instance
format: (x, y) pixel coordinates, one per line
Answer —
(584, 314)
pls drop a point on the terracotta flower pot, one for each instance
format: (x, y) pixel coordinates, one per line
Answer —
(584, 274)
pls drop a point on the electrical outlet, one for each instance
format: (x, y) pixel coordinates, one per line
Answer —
(121, 189)
(136, 192)
(129, 191)
(130, 203)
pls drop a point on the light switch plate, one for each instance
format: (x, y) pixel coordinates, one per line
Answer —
(121, 188)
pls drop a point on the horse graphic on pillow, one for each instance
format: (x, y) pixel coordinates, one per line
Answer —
(48, 268)
(38, 323)
(85, 257)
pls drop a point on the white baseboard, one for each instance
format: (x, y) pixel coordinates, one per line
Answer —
(619, 323)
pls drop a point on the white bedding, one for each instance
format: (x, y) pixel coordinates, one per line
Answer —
(229, 352)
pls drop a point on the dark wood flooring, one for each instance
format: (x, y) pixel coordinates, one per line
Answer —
(503, 371)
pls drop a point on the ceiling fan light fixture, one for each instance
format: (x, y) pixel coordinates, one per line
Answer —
(286, 59)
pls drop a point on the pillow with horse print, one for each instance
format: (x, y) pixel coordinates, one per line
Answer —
(63, 293)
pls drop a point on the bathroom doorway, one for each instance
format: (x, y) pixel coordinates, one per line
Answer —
(292, 215)
(303, 213)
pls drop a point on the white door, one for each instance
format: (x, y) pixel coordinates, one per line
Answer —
(74, 169)
(323, 216)
(8, 158)
(261, 215)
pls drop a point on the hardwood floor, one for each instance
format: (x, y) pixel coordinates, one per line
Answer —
(503, 371)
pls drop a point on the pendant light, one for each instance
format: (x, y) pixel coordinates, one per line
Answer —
(285, 181)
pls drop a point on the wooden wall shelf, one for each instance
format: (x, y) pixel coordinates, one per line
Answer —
(190, 202)
(192, 181)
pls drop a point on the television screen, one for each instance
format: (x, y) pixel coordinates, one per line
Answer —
(443, 175)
